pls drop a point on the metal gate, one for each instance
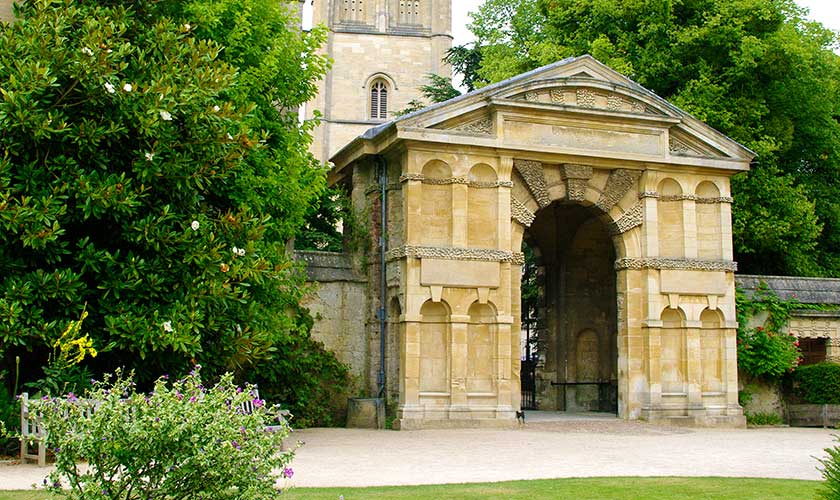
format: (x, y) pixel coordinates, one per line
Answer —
(528, 382)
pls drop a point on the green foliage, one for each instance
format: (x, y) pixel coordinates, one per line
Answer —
(307, 378)
(765, 351)
(439, 89)
(831, 473)
(754, 69)
(818, 383)
(152, 166)
(321, 229)
(761, 418)
(181, 441)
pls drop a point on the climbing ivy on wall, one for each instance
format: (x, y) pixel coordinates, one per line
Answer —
(766, 351)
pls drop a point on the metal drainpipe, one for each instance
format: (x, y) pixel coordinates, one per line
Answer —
(383, 282)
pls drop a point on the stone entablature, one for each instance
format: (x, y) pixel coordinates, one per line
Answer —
(587, 168)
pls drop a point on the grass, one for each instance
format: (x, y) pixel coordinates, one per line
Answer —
(611, 488)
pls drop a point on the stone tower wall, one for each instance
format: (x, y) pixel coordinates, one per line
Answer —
(369, 40)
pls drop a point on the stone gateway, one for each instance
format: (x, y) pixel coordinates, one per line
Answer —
(625, 200)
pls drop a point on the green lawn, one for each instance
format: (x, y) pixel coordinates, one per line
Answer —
(612, 488)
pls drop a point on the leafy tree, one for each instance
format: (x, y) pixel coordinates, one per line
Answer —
(439, 89)
(754, 69)
(152, 169)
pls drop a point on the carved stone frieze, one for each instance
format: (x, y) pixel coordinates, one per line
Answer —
(675, 263)
(681, 148)
(634, 217)
(534, 176)
(614, 102)
(454, 253)
(532, 96)
(585, 98)
(520, 213)
(619, 182)
(709, 201)
(412, 177)
(557, 96)
(683, 197)
(443, 182)
(489, 185)
(676, 197)
(637, 107)
(484, 126)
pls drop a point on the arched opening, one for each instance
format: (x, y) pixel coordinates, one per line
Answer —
(576, 363)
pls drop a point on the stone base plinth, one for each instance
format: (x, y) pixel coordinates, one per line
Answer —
(731, 417)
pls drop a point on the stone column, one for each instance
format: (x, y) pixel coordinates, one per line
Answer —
(502, 366)
(730, 364)
(458, 355)
(410, 366)
(460, 194)
(690, 228)
(654, 350)
(694, 369)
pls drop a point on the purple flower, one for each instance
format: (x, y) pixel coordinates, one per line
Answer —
(259, 403)
(288, 472)
(71, 397)
(192, 399)
(157, 419)
(235, 445)
(165, 376)
(56, 450)
(238, 390)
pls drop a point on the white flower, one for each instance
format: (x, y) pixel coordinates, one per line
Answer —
(110, 88)
(165, 116)
(187, 27)
(216, 108)
(238, 251)
(86, 51)
(195, 225)
(229, 137)
(150, 156)
(167, 326)
(127, 87)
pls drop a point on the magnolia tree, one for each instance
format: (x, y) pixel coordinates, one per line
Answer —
(182, 440)
(152, 166)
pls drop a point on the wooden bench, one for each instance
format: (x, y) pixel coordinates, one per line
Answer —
(33, 437)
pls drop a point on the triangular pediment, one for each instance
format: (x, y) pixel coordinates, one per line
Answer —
(576, 106)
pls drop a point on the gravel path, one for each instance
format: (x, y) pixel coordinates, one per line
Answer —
(537, 450)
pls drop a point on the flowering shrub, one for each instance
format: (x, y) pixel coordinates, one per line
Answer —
(766, 351)
(182, 440)
(762, 353)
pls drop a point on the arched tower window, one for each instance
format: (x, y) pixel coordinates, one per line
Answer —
(379, 100)
(410, 12)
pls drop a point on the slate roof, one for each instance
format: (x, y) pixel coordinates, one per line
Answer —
(806, 290)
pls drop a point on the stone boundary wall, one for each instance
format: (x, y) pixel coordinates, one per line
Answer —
(339, 304)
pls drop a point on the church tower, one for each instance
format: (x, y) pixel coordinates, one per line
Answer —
(382, 51)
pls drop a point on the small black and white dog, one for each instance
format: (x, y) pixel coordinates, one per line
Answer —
(520, 417)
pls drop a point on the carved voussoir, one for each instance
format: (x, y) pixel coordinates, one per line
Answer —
(520, 213)
(632, 218)
(619, 182)
(534, 176)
